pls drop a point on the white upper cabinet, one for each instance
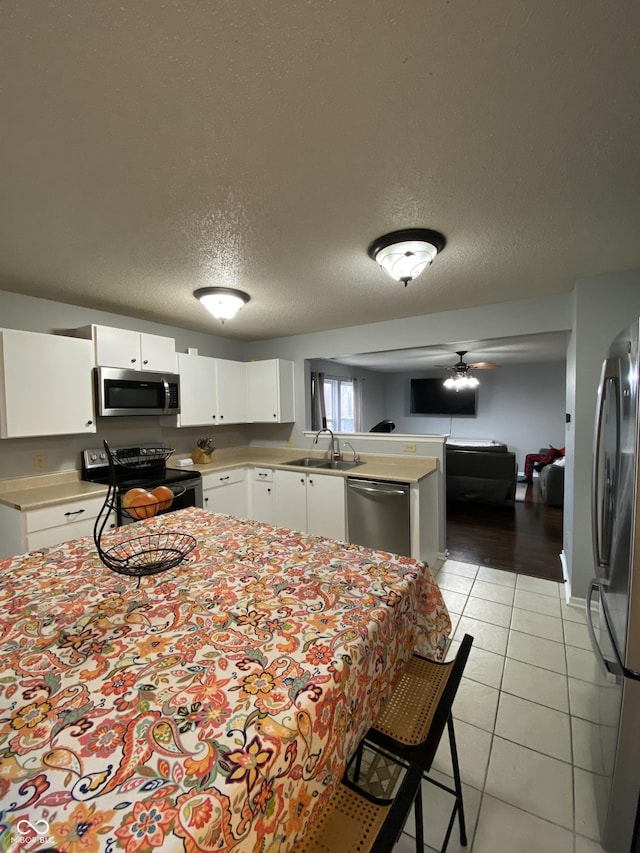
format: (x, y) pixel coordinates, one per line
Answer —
(45, 385)
(198, 397)
(131, 350)
(212, 391)
(270, 391)
(231, 384)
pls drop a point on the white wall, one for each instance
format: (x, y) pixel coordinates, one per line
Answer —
(521, 405)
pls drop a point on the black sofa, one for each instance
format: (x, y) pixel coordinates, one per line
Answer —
(480, 472)
(551, 482)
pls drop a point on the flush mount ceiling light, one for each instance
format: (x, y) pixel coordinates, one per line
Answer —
(404, 254)
(223, 302)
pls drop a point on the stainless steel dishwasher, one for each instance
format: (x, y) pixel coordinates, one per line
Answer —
(378, 515)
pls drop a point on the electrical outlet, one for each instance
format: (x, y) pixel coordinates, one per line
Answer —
(409, 448)
(40, 463)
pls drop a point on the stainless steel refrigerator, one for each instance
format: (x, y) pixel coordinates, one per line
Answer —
(613, 602)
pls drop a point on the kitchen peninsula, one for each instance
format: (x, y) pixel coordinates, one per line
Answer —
(249, 470)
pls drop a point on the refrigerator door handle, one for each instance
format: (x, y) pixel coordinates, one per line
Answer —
(608, 379)
(608, 669)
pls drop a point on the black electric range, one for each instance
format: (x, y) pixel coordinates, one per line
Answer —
(142, 466)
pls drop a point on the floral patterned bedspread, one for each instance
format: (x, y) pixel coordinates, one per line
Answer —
(213, 706)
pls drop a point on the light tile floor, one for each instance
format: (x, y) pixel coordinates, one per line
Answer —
(523, 717)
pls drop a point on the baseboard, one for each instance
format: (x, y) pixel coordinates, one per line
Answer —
(578, 604)
(440, 559)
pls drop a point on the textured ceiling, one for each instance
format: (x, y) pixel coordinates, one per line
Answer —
(149, 148)
(522, 349)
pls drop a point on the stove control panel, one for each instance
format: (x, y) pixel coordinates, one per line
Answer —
(146, 454)
(94, 458)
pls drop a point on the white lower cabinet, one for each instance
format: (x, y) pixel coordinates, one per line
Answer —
(226, 491)
(261, 495)
(48, 526)
(313, 503)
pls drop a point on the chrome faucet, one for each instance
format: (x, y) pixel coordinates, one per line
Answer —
(334, 454)
(356, 456)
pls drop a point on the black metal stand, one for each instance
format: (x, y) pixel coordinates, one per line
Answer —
(139, 555)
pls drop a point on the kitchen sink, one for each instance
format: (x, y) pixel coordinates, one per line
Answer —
(314, 462)
(339, 465)
(327, 464)
(308, 462)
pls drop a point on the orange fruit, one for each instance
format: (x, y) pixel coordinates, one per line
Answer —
(143, 506)
(164, 496)
(129, 496)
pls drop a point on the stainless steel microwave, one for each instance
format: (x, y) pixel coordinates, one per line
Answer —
(136, 392)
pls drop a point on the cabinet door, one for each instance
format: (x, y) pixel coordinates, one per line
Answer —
(262, 391)
(231, 383)
(262, 502)
(117, 347)
(326, 506)
(270, 391)
(290, 499)
(226, 491)
(198, 399)
(45, 385)
(158, 353)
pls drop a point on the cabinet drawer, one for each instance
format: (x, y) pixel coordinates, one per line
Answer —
(223, 478)
(263, 475)
(56, 535)
(61, 515)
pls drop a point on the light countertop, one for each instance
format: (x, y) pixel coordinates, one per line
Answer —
(28, 493)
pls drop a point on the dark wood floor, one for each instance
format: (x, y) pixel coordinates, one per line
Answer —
(526, 538)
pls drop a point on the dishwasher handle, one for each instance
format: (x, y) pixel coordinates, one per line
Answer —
(376, 488)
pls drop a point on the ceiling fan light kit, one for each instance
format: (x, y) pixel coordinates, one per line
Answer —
(457, 383)
(404, 254)
(223, 302)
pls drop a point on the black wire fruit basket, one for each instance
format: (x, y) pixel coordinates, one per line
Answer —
(152, 552)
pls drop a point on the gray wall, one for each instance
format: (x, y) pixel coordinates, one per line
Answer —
(521, 405)
(495, 321)
(603, 306)
(63, 452)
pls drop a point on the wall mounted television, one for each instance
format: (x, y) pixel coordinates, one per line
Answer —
(430, 397)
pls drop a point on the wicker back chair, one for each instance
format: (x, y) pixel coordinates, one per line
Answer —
(407, 731)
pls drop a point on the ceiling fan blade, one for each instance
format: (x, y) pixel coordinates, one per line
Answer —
(485, 365)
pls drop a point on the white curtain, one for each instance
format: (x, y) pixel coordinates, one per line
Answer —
(318, 411)
(357, 405)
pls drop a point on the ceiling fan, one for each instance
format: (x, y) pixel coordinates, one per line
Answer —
(462, 367)
(460, 377)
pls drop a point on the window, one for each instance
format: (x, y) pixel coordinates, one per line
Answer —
(341, 404)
